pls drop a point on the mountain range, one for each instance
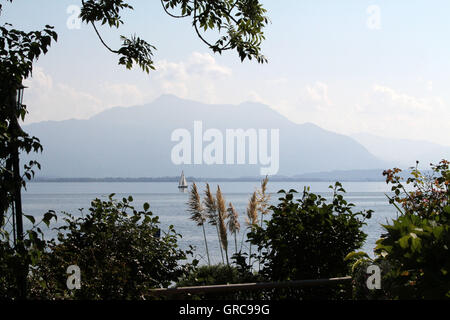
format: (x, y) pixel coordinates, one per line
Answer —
(403, 152)
(139, 141)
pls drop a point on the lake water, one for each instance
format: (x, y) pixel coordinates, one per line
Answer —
(167, 202)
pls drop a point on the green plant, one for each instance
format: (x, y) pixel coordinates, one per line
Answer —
(118, 251)
(309, 239)
(417, 243)
(26, 259)
(212, 214)
(233, 224)
(252, 221)
(216, 275)
(198, 213)
(222, 216)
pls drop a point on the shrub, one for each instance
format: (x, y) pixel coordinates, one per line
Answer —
(18, 258)
(308, 239)
(118, 251)
(216, 275)
(416, 244)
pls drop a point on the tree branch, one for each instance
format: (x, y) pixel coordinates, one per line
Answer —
(101, 39)
(170, 14)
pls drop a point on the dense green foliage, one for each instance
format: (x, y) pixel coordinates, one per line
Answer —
(417, 243)
(12, 259)
(216, 275)
(118, 251)
(413, 254)
(309, 238)
(18, 50)
(241, 23)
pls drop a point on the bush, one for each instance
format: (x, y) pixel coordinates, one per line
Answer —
(9, 263)
(18, 258)
(216, 275)
(118, 251)
(416, 244)
(309, 239)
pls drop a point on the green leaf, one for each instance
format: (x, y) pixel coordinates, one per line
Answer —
(404, 241)
(48, 217)
(356, 254)
(31, 218)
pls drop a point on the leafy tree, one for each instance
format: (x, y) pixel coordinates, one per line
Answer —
(18, 50)
(308, 239)
(242, 21)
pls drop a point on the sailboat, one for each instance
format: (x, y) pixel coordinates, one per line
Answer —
(182, 184)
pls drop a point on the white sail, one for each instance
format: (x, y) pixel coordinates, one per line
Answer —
(183, 182)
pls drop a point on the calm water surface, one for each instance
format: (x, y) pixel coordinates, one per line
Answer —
(167, 202)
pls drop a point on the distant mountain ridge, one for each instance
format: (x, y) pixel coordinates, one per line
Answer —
(136, 142)
(331, 176)
(403, 152)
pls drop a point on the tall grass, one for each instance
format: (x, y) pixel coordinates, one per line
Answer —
(233, 224)
(222, 215)
(214, 211)
(213, 217)
(198, 213)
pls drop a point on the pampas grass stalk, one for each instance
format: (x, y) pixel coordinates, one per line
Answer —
(198, 214)
(233, 224)
(213, 218)
(263, 199)
(222, 215)
(252, 219)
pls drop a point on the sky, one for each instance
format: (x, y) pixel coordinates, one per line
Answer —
(349, 66)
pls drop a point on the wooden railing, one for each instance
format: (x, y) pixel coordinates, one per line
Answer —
(249, 286)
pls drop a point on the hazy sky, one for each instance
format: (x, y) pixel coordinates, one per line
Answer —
(349, 66)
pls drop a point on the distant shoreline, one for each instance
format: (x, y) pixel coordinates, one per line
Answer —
(193, 179)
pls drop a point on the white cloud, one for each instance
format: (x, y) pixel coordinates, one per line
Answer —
(198, 78)
(255, 97)
(394, 101)
(389, 112)
(315, 96)
(205, 65)
(122, 94)
(379, 109)
(47, 100)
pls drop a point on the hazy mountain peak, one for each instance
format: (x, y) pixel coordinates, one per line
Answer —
(137, 142)
(403, 152)
(168, 97)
